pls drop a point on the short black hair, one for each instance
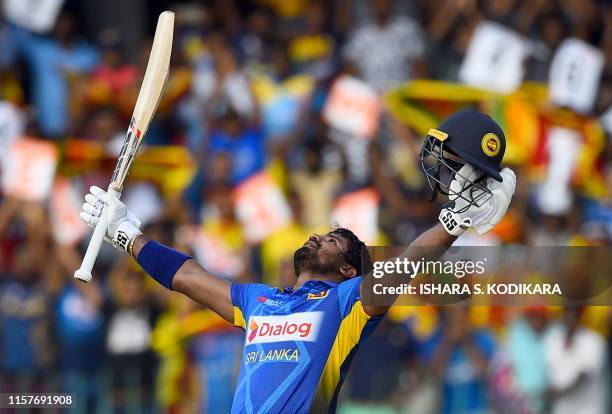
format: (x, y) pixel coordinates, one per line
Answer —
(357, 255)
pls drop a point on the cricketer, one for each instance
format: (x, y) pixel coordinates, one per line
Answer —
(299, 342)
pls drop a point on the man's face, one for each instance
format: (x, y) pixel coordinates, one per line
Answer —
(323, 254)
(381, 9)
(232, 125)
(64, 27)
(572, 317)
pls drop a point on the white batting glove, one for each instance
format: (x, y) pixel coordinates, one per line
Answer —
(123, 226)
(487, 214)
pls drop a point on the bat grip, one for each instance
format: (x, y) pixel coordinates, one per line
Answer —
(84, 272)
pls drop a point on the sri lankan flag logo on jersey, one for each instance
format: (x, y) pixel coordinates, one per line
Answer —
(319, 295)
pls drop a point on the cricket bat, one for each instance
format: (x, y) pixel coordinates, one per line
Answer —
(148, 98)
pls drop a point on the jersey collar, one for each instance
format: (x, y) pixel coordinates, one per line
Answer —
(311, 286)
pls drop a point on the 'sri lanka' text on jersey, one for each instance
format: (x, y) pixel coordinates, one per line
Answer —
(298, 344)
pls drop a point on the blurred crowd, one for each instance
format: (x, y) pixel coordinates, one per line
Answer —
(246, 157)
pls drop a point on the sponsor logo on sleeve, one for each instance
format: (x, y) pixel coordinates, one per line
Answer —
(303, 326)
(270, 302)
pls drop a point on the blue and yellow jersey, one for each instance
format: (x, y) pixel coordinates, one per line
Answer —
(298, 344)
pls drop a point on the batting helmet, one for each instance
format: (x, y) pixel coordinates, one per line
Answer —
(467, 136)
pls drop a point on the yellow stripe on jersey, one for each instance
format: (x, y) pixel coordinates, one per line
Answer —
(239, 318)
(346, 340)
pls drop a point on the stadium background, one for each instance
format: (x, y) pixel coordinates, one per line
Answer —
(279, 119)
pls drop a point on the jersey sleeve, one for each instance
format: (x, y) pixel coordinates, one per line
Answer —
(349, 294)
(244, 299)
(355, 321)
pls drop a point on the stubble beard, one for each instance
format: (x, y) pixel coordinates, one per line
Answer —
(305, 259)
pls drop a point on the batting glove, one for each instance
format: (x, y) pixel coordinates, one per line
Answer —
(123, 226)
(483, 216)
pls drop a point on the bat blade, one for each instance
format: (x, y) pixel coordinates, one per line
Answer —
(149, 96)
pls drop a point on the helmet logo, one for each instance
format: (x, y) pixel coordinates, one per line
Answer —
(491, 144)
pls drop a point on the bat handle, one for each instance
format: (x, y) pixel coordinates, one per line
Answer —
(84, 272)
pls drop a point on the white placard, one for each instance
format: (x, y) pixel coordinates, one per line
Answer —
(358, 212)
(144, 201)
(352, 107)
(575, 73)
(64, 209)
(494, 59)
(555, 195)
(30, 169)
(260, 207)
(606, 121)
(35, 15)
(216, 256)
(12, 125)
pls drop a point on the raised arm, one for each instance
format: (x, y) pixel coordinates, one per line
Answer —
(429, 245)
(171, 268)
(194, 281)
(454, 221)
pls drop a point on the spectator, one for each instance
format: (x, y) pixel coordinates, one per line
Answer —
(373, 388)
(25, 316)
(280, 246)
(397, 175)
(283, 96)
(104, 126)
(312, 50)
(80, 328)
(552, 30)
(459, 355)
(233, 85)
(216, 354)
(131, 316)
(113, 81)
(253, 42)
(521, 379)
(576, 360)
(54, 61)
(224, 252)
(315, 184)
(242, 143)
(401, 58)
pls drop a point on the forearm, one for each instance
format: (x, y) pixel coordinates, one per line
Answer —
(139, 243)
(196, 283)
(169, 267)
(429, 245)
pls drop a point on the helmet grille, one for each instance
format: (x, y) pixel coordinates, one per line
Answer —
(441, 167)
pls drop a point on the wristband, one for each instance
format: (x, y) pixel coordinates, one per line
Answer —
(161, 262)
